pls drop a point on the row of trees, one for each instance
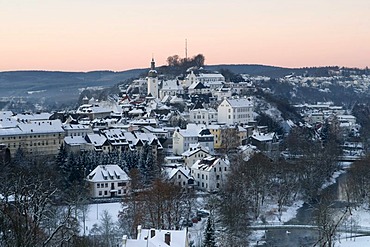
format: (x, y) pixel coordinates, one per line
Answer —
(75, 167)
(251, 183)
(160, 206)
(29, 215)
(44, 199)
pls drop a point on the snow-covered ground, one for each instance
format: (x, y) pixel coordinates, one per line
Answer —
(272, 218)
(95, 211)
(359, 218)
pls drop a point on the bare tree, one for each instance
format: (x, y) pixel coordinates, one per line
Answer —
(328, 219)
(27, 207)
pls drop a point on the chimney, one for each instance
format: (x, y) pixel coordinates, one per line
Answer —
(152, 233)
(167, 238)
(124, 240)
(139, 232)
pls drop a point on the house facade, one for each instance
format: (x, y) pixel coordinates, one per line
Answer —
(210, 173)
(235, 111)
(108, 181)
(157, 238)
(40, 137)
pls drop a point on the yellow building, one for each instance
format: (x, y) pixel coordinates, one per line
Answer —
(34, 137)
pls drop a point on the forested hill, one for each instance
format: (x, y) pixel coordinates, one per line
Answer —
(272, 71)
(20, 83)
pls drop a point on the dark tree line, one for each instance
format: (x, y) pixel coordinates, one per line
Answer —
(30, 190)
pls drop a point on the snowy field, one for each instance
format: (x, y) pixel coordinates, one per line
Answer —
(95, 211)
(360, 218)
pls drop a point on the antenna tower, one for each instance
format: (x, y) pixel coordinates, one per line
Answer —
(186, 49)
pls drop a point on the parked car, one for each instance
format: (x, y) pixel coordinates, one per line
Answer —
(202, 213)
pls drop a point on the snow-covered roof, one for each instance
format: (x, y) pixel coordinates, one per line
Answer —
(96, 139)
(178, 238)
(8, 123)
(210, 75)
(171, 85)
(172, 171)
(176, 99)
(136, 111)
(34, 127)
(192, 130)
(147, 121)
(75, 140)
(6, 114)
(115, 136)
(107, 173)
(37, 116)
(239, 102)
(76, 127)
(196, 85)
(206, 164)
(193, 150)
(263, 137)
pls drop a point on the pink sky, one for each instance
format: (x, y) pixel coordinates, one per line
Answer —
(84, 35)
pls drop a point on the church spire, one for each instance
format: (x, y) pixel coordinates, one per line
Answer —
(152, 71)
(152, 64)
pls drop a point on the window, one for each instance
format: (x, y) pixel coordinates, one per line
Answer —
(179, 176)
(106, 185)
(214, 169)
(119, 191)
(225, 168)
(105, 193)
(206, 177)
(100, 193)
(98, 186)
(202, 176)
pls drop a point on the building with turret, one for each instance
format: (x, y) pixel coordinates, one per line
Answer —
(152, 78)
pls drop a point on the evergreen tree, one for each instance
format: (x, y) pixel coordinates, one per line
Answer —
(209, 234)
(62, 156)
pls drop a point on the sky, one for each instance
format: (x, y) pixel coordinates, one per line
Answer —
(86, 35)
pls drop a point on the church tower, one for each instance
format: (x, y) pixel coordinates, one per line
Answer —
(153, 80)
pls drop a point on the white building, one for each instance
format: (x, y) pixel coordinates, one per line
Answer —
(203, 116)
(214, 79)
(157, 238)
(183, 138)
(108, 181)
(194, 153)
(40, 137)
(179, 175)
(77, 129)
(198, 88)
(170, 87)
(222, 93)
(210, 173)
(235, 111)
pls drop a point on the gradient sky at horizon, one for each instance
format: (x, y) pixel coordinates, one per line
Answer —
(85, 35)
